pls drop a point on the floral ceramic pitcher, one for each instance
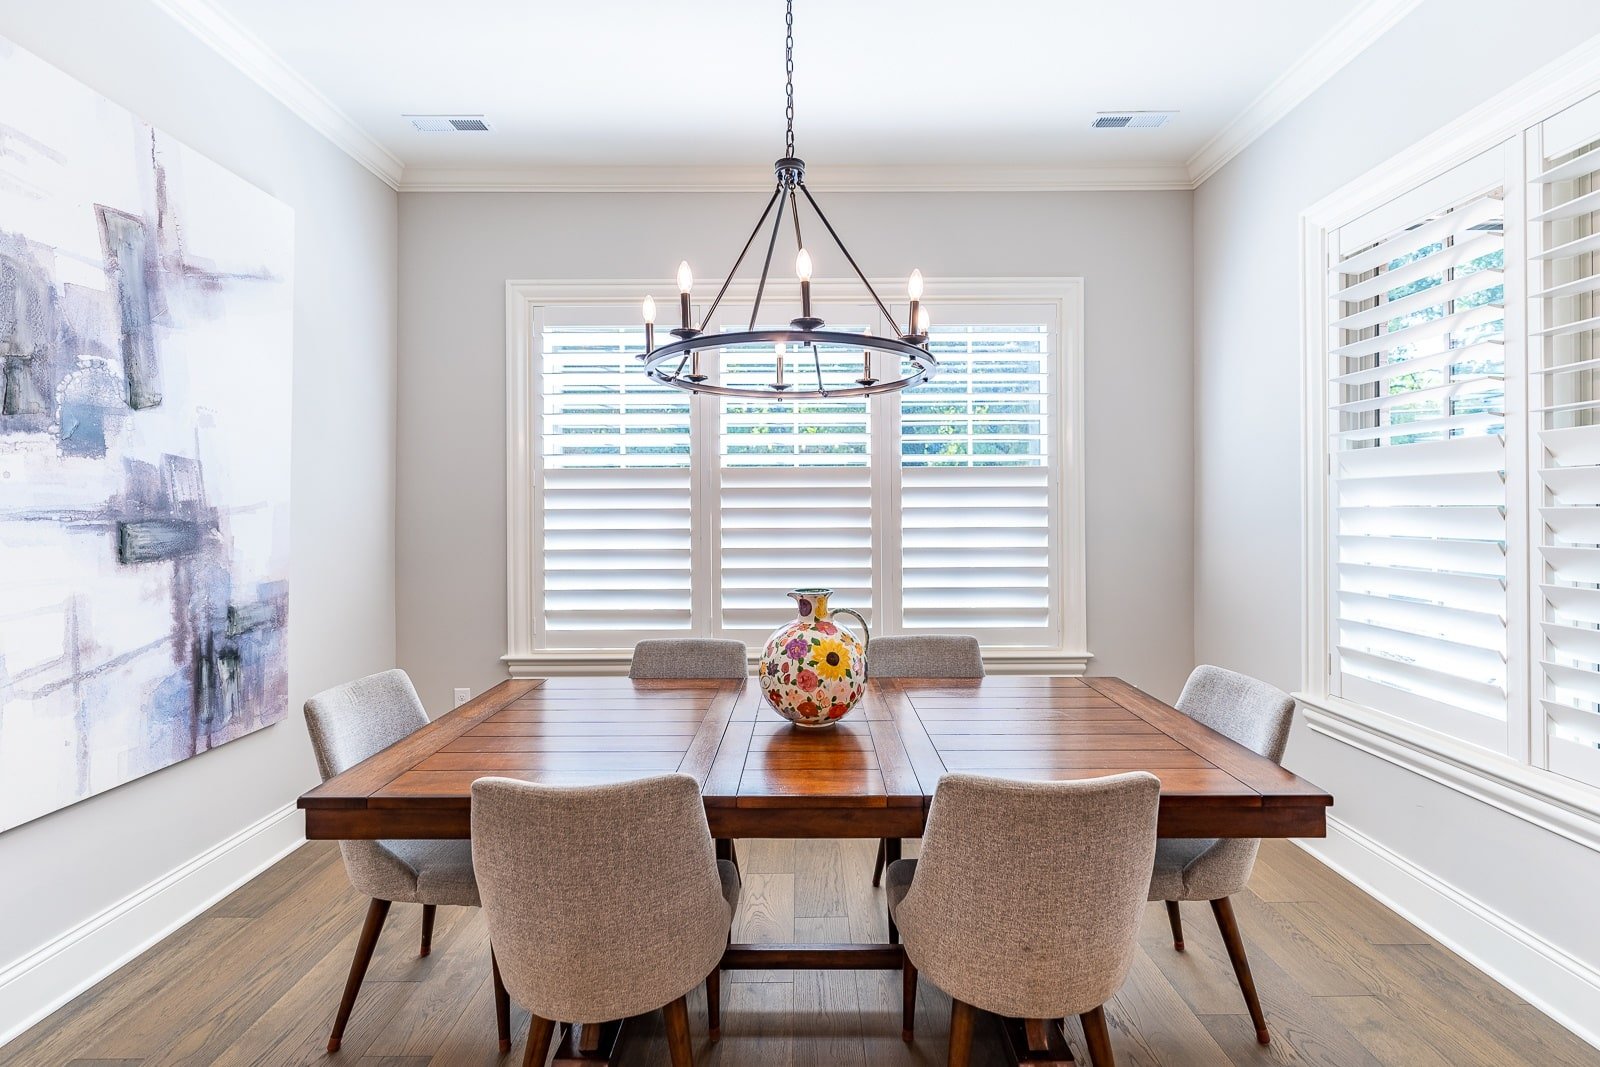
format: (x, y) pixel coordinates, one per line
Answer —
(814, 670)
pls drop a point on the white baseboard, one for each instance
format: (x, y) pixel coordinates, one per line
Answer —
(1545, 975)
(42, 981)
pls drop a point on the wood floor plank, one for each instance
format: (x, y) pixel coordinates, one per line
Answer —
(254, 983)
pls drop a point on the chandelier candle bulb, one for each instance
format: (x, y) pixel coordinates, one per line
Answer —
(685, 284)
(922, 322)
(914, 291)
(649, 323)
(802, 267)
(777, 352)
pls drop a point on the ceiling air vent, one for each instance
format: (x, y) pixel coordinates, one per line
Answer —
(449, 123)
(1131, 120)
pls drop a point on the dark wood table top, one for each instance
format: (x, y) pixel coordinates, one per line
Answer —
(873, 775)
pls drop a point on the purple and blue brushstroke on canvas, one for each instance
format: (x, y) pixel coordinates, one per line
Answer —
(145, 333)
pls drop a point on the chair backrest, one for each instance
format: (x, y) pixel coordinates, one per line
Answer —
(350, 722)
(688, 657)
(1027, 897)
(1251, 712)
(603, 901)
(925, 656)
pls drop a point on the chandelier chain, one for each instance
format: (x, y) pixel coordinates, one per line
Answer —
(788, 68)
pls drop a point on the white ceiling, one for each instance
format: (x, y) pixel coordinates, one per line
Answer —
(699, 83)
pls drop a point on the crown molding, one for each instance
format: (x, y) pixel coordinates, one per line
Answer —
(266, 68)
(726, 179)
(1352, 36)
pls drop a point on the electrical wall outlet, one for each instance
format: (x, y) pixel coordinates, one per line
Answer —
(462, 696)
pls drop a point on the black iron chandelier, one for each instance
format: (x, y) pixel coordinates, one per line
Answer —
(678, 363)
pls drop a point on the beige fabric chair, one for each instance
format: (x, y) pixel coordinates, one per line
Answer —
(349, 723)
(1257, 716)
(920, 656)
(586, 934)
(688, 657)
(1026, 900)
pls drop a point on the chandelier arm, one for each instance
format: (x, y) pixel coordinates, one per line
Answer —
(852, 260)
(705, 321)
(794, 212)
(816, 361)
(761, 286)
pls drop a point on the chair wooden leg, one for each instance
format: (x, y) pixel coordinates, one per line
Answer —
(377, 911)
(1094, 1029)
(678, 1044)
(908, 1009)
(540, 1031)
(1229, 925)
(1176, 919)
(880, 863)
(962, 1018)
(427, 927)
(714, 1004)
(502, 1006)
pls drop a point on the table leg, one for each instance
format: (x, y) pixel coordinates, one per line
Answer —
(1035, 1041)
(591, 1045)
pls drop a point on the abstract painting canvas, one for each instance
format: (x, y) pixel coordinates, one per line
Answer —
(146, 317)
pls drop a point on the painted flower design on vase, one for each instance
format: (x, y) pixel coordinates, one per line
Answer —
(813, 669)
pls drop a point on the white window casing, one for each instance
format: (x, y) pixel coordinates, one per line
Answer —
(638, 510)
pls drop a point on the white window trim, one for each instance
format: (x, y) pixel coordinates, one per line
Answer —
(1538, 796)
(524, 660)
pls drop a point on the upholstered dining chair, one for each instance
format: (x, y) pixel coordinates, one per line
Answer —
(688, 657)
(1257, 716)
(347, 724)
(1012, 918)
(921, 656)
(587, 935)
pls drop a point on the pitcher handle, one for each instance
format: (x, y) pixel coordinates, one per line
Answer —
(863, 622)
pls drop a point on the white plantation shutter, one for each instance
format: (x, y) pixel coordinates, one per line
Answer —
(795, 489)
(613, 485)
(651, 511)
(1418, 501)
(1563, 280)
(979, 489)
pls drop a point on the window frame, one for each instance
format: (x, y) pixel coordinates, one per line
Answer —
(524, 657)
(1515, 782)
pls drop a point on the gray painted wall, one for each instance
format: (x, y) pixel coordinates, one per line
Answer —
(1248, 603)
(65, 867)
(458, 250)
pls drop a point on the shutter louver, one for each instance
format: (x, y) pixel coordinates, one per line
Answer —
(1564, 328)
(614, 492)
(1418, 471)
(796, 495)
(978, 488)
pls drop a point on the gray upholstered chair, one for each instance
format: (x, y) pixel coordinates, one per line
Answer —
(920, 656)
(1257, 716)
(688, 657)
(691, 657)
(585, 934)
(1026, 900)
(347, 724)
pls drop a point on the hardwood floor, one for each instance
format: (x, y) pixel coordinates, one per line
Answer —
(256, 979)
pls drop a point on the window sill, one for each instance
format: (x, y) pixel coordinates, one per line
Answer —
(562, 663)
(1536, 796)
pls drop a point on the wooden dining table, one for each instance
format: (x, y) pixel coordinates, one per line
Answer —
(872, 775)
